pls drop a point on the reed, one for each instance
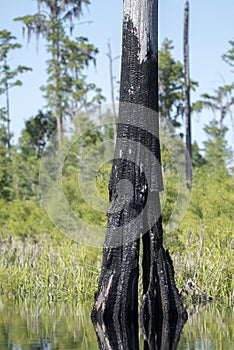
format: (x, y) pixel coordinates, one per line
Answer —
(55, 270)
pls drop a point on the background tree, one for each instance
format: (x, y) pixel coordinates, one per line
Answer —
(171, 104)
(221, 101)
(111, 60)
(170, 75)
(217, 152)
(8, 77)
(75, 55)
(6, 163)
(187, 94)
(26, 156)
(67, 58)
(36, 133)
(228, 57)
(197, 159)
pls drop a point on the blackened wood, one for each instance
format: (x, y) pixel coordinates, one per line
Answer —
(111, 60)
(187, 94)
(115, 311)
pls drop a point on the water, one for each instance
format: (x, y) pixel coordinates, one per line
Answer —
(66, 326)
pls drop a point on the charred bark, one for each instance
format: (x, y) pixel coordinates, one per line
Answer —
(187, 95)
(111, 60)
(134, 194)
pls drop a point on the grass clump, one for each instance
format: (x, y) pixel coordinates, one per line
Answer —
(54, 268)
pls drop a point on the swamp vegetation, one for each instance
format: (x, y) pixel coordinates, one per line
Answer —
(37, 260)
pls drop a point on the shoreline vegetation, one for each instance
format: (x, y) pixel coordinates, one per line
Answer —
(39, 262)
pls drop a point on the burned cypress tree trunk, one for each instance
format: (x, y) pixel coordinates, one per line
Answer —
(111, 60)
(187, 94)
(134, 187)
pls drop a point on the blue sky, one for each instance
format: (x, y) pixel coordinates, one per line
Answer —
(211, 27)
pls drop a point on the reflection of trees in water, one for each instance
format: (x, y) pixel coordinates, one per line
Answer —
(26, 326)
(208, 327)
(43, 344)
(117, 336)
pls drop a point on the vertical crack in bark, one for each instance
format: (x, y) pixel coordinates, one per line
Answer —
(115, 311)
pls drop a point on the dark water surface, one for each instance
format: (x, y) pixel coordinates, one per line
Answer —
(66, 326)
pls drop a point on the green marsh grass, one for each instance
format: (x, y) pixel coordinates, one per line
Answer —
(52, 269)
(37, 261)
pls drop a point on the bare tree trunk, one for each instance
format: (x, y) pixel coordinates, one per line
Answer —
(115, 311)
(8, 117)
(7, 111)
(55, 62)
(58, 105)
(109, 55)
(187, 93)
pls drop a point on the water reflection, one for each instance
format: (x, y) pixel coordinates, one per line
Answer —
(26, 326)
(124, 335)
(43, 344)
(208, 328)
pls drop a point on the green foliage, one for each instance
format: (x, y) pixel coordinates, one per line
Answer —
(36, 256)
(88, 144)
(36, 133)
(6, 164)
(66, 91)
(38, 262)
(170, 195)
(25, 159)
(170, 84)
(58, 11)
(48, 268)
(202, 246)
(65, 71)
(204, 242)
(8, 77)
(197, 159)
(229, 56)
(217, 153)
(23, 219)
(221, 102)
